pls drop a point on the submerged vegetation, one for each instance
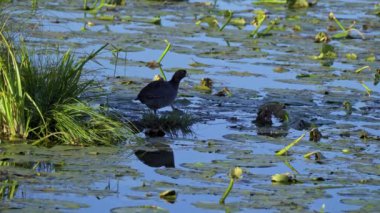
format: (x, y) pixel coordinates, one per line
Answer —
(39, 98)
(171, 123)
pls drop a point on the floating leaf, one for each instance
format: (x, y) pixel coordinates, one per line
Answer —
(285, 150)
(296, 4)
(339, 35)
(297, 28)
(155, 20)
(224, 92)
(90, 24)
(317, 156)
(377, 9)
(279, 69)
(270, 2)
(126, 18)
(238, 21)
(284, 178)
(105, 18)
(153, 64)
(169, 195)
(198, 64)
(371, 58)
(210, 20)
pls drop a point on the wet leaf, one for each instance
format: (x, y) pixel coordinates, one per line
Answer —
(210, 20)
(371, 58)
(316, 155)
(238, 21)
(126, 18)
(339, 35)
(241, 74)
(198, 64)
(140, 209)
(155, 20)
(224, 92)
(377, 9)
(297, 28)
(279, 69)
(105, 18)
(297, 4)
(269, 1)
(169, 195)
(284, 178)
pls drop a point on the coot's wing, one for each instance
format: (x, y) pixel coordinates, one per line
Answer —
(152, 91)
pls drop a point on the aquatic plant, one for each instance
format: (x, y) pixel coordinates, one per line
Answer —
(285, 178)
(258, 21)
(115, 53)
(8, 189)
(40, 100)
(235, 174)
(169, 195)
(291, 4)
(285, 150)
(327, 52)
(346, 32)
(14, 122)
(168, 46)
(157, 64)
(172, 122)
(229, 15)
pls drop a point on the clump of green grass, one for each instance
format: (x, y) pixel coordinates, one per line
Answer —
(172, 122)
(39, 100)
(8, 189)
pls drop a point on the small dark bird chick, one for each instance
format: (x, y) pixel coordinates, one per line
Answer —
(159, 94)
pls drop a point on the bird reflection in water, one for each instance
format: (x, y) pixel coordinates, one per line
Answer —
(156, 155)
